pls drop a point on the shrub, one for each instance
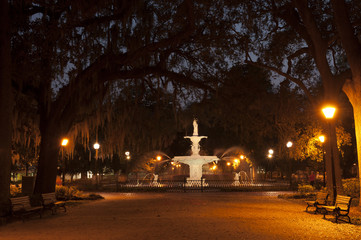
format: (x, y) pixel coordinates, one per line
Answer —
(66, 193)
(305, 188)
(351, 187)
(15, 190)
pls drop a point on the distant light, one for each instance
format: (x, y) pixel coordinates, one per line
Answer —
(214, 167)
(236, 160)
(269, 155)
(242, 157)
(64, 142)
(127, 153)
(321, 138)
(289, 144)
(159, 158)
(128, 157)
(228, 164)
(96, 146)
(329, 112)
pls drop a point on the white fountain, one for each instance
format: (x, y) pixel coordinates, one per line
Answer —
(236, 181)
(195, 161)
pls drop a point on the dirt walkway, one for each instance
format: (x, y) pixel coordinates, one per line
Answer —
(182, 216)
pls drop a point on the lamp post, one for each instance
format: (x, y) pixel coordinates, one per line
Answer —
(96, 147)
(64, 143)
(322, 140)
(329, 113)
(270, 155)
(289, 145)
(127, 156)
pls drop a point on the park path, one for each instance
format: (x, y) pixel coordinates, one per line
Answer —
(182, 216)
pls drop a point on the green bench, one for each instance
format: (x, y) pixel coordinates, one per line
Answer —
(319, 202)
(21, 206)
(340, 209)
(49, 201)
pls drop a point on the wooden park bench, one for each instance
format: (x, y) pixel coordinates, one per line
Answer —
(20, 206)
(49, 202)
(319, 202)
(340, 209)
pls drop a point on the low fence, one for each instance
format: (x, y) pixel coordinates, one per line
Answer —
(191, 185)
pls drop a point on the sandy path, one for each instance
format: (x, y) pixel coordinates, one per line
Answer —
(182, 216)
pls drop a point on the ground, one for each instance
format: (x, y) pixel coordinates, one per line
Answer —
(208, 216)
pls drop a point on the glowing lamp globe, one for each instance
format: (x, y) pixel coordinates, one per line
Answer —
(329, 112)
(64, 142)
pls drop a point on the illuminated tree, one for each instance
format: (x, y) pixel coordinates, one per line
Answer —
(307, 41)
(75, 56)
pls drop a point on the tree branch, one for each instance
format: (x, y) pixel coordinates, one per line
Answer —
(346, 32)
(298, 82)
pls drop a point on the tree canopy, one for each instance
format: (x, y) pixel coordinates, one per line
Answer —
(113, 70)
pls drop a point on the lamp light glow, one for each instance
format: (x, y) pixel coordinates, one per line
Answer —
(64, 142)
(329, 112)
(289, 144)
(96, 146)
(321, 138)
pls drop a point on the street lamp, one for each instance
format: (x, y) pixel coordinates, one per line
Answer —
(329, 113)
(96, 146)
(322, 140)
(289, 145)
(270, 151)
(64, 142)
(127, 156)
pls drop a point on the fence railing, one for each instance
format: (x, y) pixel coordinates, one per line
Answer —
(192, 185)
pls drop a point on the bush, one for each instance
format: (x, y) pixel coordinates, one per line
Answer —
(305, 188)
(15, 190)
(66, 193)
(351, 187)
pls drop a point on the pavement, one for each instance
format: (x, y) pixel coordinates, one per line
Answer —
(212, 215)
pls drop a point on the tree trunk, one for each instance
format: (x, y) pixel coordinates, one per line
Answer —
(353, 92)
(47, 165)
(6, 105)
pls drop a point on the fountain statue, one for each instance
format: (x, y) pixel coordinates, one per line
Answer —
(195, 127)
(195, 161)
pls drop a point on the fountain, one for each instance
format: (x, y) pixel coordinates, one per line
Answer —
(236, 179)
(195, 161)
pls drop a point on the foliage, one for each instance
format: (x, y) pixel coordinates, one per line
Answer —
(309, 146)
(66, 193)
(15, 190)
(305, 188)
(351, 187)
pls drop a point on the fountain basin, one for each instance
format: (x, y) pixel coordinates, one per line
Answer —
(195, 163)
